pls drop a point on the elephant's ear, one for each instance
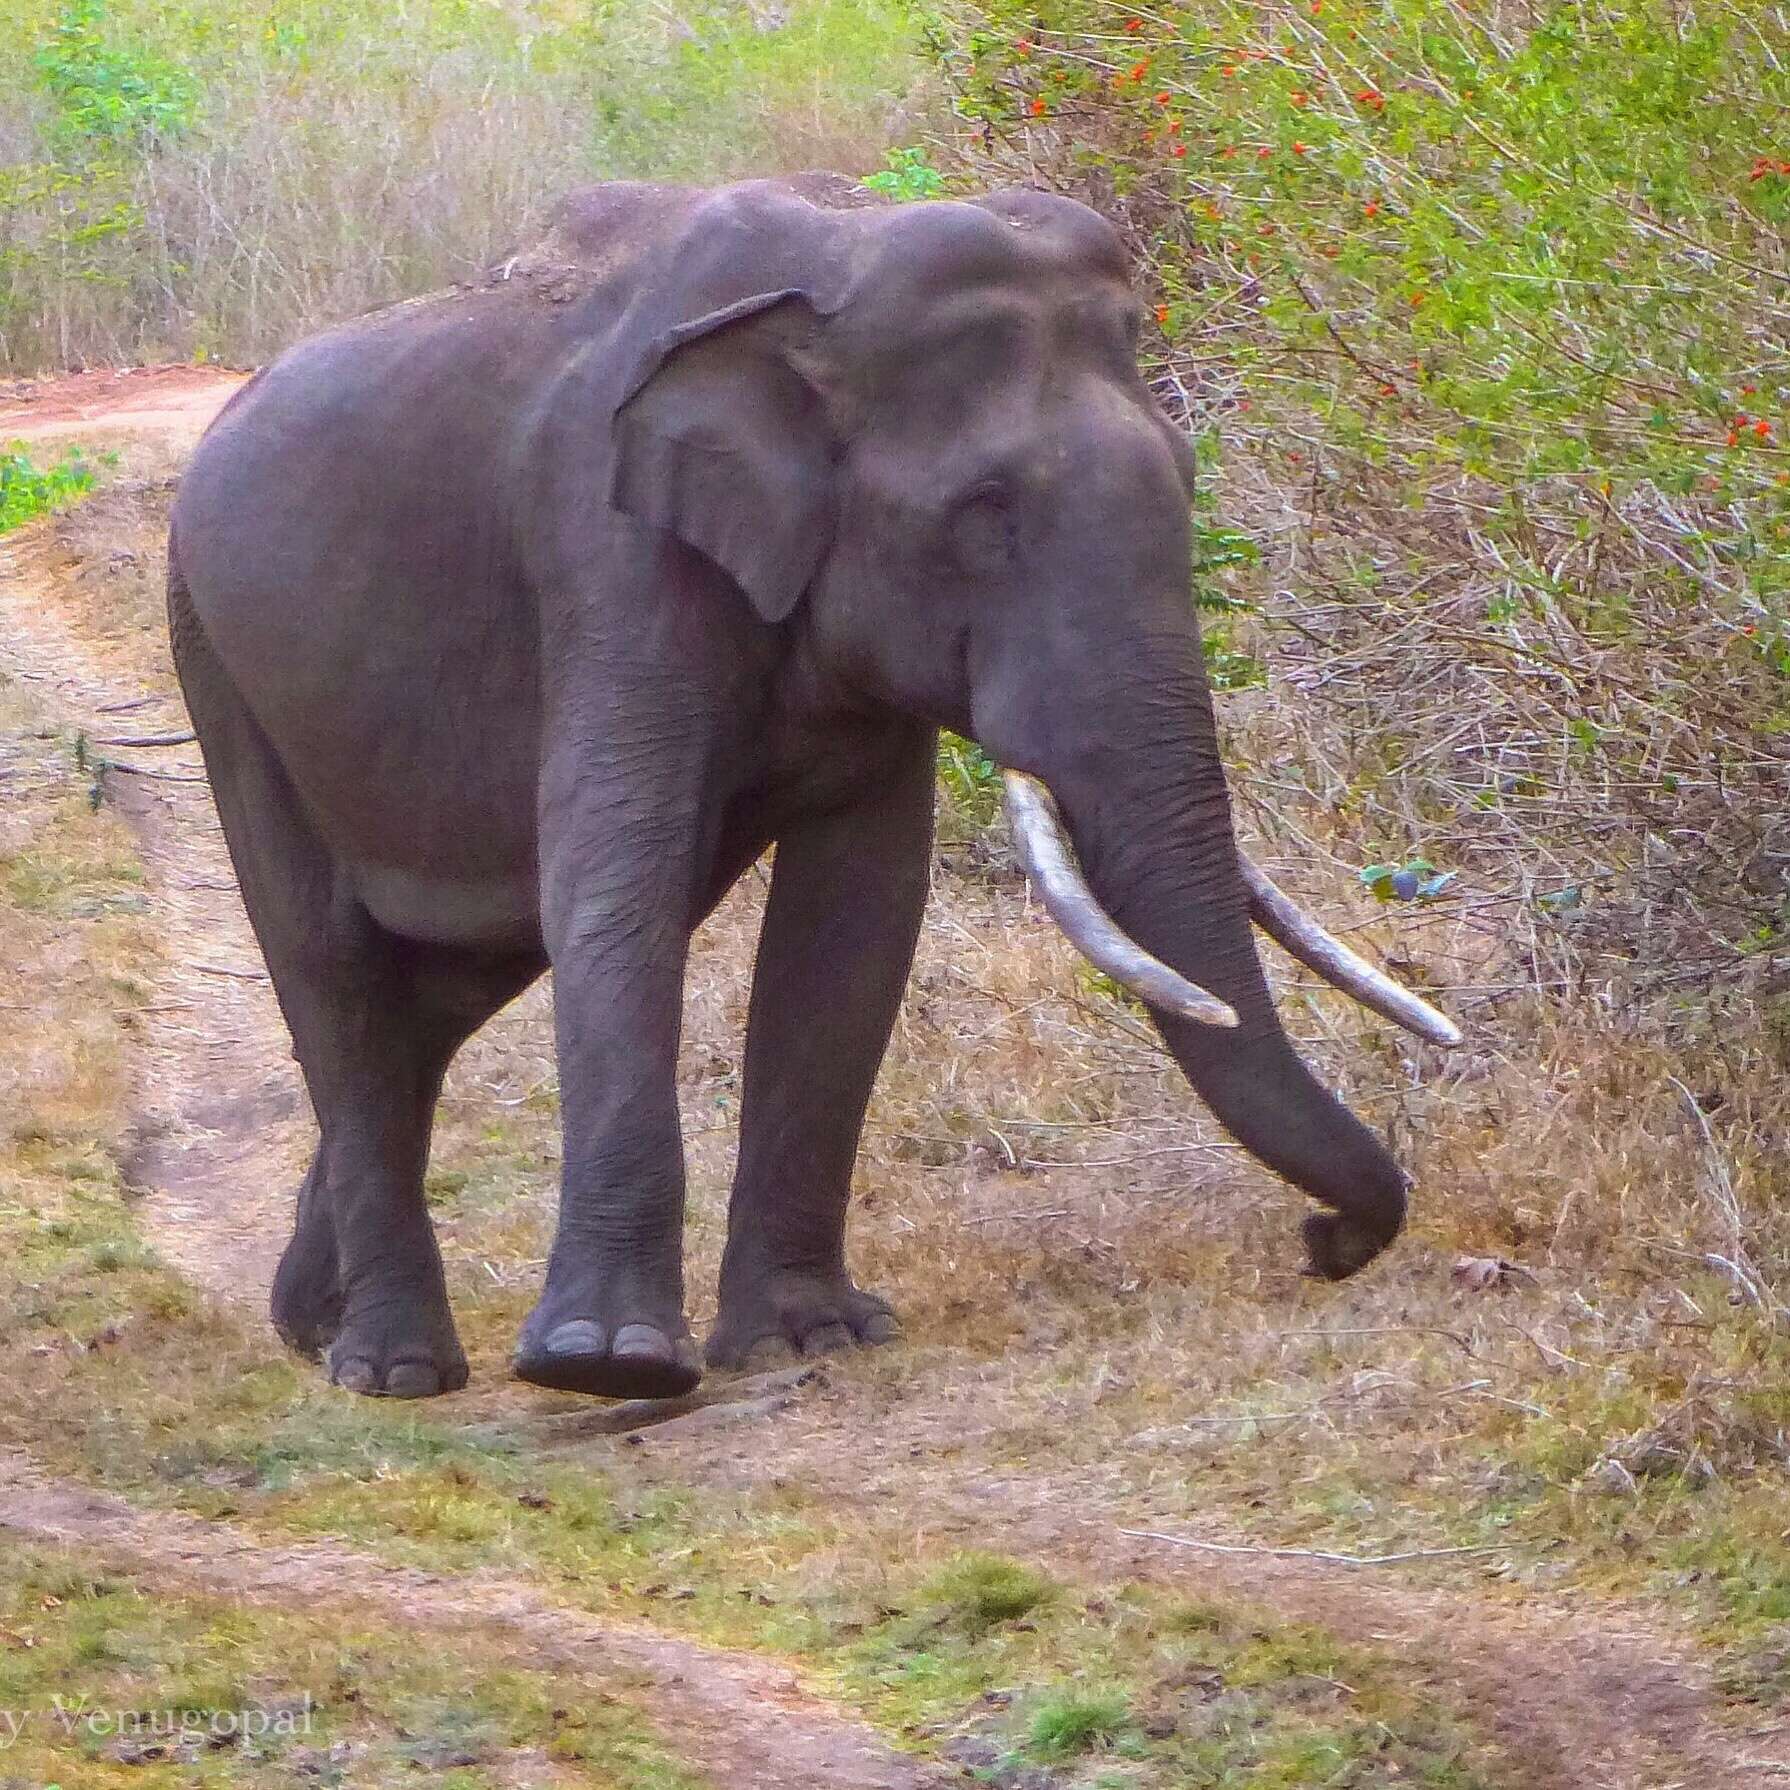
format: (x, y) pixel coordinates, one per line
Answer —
(720, 440)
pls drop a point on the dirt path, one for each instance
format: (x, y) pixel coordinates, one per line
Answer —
(220, 1138)
(163, 401)
(745, 1722)
(1583, 1696)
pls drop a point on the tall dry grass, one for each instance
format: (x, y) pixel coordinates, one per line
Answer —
(192, 180)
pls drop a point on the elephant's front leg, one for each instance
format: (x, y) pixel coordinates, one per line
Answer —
(616, 913)
(846, 898)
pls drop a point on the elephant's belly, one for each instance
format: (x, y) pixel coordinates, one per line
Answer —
(497, 913)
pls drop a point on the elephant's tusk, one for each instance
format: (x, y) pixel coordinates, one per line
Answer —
(1306, 940)
(1043, 848)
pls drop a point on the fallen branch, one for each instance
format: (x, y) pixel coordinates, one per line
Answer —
(148, 739)
(142, 770)
(1221, 1547)
(218, 969)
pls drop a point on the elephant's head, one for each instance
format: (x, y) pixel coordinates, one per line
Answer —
(918, 438)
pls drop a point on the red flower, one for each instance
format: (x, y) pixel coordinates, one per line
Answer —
(1162, 99)
(1142, 69)
(1229, 69)
(1162, 313)
(1177, 149)
(1299, 148)
(1262, 154)
(1228, 151)
(1040, 106)
(1174, 127)
(1371, 209)
(1734, 438)
(1371, 97)
(1023, 45)
(1389, 390)
(1302, 99)
(1134, 24)
(1417, 299)
(1762, 429)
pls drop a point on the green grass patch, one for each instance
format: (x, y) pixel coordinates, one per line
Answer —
(116, 1679)
(1078, 1721)
(28, 491)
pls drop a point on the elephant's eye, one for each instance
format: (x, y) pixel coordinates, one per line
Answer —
(982, 529)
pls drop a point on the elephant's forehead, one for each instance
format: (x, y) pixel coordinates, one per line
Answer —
(1019, 236)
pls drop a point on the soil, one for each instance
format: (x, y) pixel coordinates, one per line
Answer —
(743, 1721)
(1583, 1695)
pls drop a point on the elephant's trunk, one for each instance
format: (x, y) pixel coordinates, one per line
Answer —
(1152, 829)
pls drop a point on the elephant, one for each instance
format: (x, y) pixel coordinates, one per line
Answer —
(518, 621)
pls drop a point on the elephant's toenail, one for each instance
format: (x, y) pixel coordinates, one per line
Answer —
(882, 1327)
(412, 1379)
(355, 1374)
(828, 1339)
(580, 1337)
(641, 1342)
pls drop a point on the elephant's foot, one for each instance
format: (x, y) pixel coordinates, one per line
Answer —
(398, 1344)
(607, 1342)
(1337, 1247)
(307, 1295)
(789, 1311)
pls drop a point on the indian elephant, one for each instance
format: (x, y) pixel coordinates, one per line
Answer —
(516, 623)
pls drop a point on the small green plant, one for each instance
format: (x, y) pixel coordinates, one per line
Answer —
(979, 1592)
(1077, 1721)
(1417, 879)
(26, 492)
(971, 780)
(909, 175)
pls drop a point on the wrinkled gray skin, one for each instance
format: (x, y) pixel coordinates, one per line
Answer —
(518, 621)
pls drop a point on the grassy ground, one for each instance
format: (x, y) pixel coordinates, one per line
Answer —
(1107, 1333)
(116, 1680)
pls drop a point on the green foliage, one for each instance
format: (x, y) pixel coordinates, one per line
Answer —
(107, 92)
(909, 175)
(1416, 879)
(971, 780)
(27, 492)
(1425, 211)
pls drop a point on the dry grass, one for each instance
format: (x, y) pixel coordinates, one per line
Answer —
(1086, 1264)
(319, 164)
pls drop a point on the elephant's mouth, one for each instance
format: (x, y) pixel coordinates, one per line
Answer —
(1049, 859)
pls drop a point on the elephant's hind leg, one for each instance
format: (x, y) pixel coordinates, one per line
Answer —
(374, 1020)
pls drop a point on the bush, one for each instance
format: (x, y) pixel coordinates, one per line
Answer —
(1474, 308)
